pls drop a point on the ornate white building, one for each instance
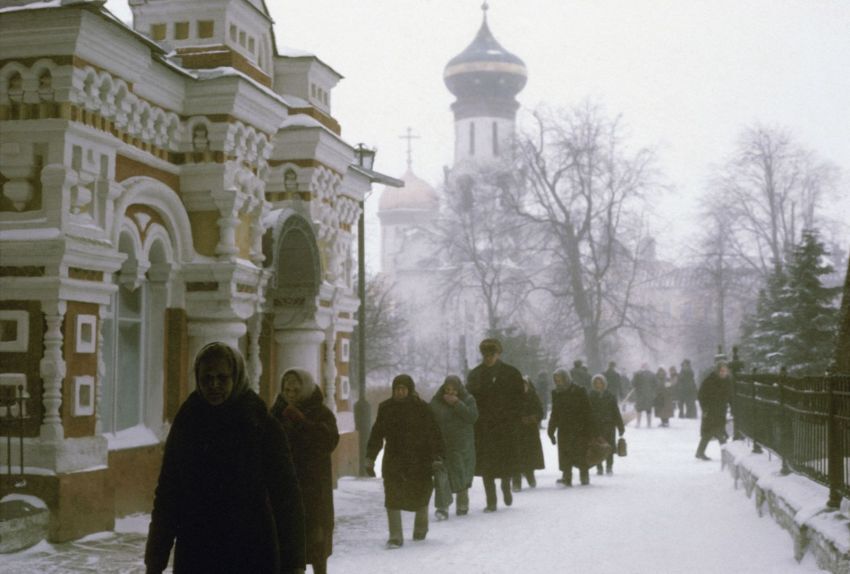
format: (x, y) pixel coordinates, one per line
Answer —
(164, 185)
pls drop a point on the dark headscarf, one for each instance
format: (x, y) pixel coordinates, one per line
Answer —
(406, 381)
(234, 357)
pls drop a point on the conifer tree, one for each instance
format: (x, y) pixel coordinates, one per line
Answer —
(810, 338)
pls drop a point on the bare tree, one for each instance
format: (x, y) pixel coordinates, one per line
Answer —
(585, 193)
(385, 327)
(773, 188)
(484, 245)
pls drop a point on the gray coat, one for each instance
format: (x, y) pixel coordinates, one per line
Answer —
(457, 427)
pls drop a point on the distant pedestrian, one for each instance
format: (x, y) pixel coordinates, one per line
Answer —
(714, 394)
(688, 390)
(498, 391)
(663, 397)
(228, 496)
(528, 438)
(673, 375)
(615, 382)
(313, 436)
(414, 448)
(580, 375)
(543, 386)
(455, 412)
(644, 385)
(608, 418)
(572, 423)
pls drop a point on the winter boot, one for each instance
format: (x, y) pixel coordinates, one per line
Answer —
(507, 495)
(584, 476)
(532, 481)
(516, 483)
(490, 492)
(599, 469)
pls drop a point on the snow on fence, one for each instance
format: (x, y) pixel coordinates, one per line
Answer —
(804, 420)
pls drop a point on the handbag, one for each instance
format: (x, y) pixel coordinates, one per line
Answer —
(621, 447)
(598, 450)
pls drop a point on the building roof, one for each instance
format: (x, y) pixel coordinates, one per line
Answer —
(416, 194)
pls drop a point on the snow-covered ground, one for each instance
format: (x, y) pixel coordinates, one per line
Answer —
(661, 512)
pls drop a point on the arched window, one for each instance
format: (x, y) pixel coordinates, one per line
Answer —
(290, 180)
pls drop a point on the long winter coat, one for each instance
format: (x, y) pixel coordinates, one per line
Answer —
(312, 441)
(607, 415)
(498, 391)
(643, 384)
(615, 385)
(457, 427)
(687, 386)
(663, 397)
(572, 422)
(528, 432)
(227, 493)
(413, 443)
(714, 395)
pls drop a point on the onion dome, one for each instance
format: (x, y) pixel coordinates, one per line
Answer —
(485, 77)
(416, 194)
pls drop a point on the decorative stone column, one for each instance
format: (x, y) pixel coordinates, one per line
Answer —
(252, 361)
(52, 370)
(330, 369)
(300, 348)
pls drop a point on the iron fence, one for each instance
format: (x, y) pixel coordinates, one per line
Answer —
(804, 420)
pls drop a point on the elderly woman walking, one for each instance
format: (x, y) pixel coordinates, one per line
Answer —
(227, 496)
(572, 422)
(405, 425)
(608, 417)
(455, 412)
(313, 436)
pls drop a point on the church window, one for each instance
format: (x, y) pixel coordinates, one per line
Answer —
(495, 139)
(206, 28)
(181, 30)
(158, 32)
(234, 33)
(471, 138)
(251, 44)
(124, 351)
(242, 38)
(312, 90)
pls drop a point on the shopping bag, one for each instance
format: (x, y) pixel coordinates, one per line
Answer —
(598, 450)
(621, 447)
(442, 488)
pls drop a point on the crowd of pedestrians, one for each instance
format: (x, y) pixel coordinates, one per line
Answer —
(244, 488)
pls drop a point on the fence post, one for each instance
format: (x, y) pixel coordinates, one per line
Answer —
(785, 446)
(835, 462)
(755, 422)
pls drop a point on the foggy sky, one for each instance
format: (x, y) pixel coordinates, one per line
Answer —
(684, 75)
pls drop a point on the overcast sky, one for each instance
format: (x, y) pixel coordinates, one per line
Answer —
(685, 75)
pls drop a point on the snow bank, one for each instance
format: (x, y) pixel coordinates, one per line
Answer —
(797, 503)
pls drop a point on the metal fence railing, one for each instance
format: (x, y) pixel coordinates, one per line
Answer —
(804, 420)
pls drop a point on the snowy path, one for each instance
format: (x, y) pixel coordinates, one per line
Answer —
(662, 512)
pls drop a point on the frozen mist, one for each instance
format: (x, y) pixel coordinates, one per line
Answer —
(662, 512)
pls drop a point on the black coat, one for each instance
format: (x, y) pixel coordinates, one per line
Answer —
(687, 388)
(606, 414)
(644, 385)
(528, 432)
(498, 392)
(572, 421)
(714, 395)
(227, 493)
(312, 441)
(615, 385)
(413, 443)
(581, 377)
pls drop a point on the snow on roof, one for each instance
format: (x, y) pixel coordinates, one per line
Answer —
(296, 102)
(29, 499)
(301, 121)
(33, 6)
(289, 52)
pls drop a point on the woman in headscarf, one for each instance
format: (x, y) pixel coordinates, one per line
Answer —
(572, 421)
(313, 436)
(405, 425)
(663, 397)
(455, 412)
(227, 496)
(608, 417)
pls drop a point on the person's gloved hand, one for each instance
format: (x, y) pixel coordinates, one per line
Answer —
(293, 414)
(370, 467)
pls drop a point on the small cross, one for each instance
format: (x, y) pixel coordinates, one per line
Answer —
(409, 137)
(484, 8)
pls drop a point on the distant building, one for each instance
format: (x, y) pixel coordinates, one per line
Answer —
(164, 185)
(485, 79)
